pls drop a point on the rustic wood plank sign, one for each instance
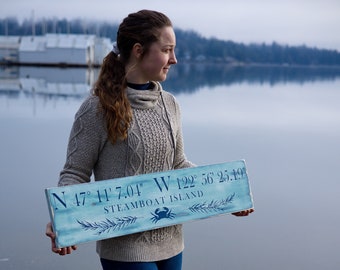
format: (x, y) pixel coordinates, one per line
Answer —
(104, 209)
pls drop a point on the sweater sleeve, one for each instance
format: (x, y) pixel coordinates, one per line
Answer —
(86, 139)
(181, 160)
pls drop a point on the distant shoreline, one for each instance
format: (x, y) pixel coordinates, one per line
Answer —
(60, 65)
(70, 65)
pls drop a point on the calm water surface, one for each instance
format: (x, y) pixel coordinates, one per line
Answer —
(288, 132)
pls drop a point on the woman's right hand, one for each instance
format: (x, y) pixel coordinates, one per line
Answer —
(55, 249)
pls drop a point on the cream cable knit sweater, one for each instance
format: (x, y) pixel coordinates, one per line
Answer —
(148, 148)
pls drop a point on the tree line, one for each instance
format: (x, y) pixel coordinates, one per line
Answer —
(191, 46)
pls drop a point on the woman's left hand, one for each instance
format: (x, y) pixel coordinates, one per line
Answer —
(243, 213)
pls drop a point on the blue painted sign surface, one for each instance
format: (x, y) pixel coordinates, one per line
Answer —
(104, 209)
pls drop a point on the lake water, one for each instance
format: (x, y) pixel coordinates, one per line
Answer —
(285, 122)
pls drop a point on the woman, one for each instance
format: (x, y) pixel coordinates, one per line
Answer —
(130, 126)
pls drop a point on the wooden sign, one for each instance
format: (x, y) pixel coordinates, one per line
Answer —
(104, 209)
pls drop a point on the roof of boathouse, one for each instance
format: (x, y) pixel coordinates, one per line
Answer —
(9, 41)
(70, 41)
(64, 41)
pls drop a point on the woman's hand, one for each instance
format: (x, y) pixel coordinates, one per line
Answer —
(243, 213)
(60, 251)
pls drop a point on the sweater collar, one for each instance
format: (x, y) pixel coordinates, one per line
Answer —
(144, 99)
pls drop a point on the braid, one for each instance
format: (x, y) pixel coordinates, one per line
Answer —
(110, 88)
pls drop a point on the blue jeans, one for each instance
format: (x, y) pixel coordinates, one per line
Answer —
(174, 263)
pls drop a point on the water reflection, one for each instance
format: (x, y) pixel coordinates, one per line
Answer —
(190, 77)
(38, 87)
(182, 78)
(284, 123)
(46, 81)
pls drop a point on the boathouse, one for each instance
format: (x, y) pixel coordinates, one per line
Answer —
(9, 49)
(55, 50)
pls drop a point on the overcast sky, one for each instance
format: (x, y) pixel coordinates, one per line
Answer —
(292, 22)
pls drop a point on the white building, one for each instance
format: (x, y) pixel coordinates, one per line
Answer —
(55, 49)
(9, 48)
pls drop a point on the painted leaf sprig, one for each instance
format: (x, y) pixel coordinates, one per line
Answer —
(107, 225)
(213, 206)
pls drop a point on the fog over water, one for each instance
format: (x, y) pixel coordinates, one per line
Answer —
(313, 23)
(287, 128)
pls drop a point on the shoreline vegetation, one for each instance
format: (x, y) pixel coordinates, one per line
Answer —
(182, 62)
(191, 46)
